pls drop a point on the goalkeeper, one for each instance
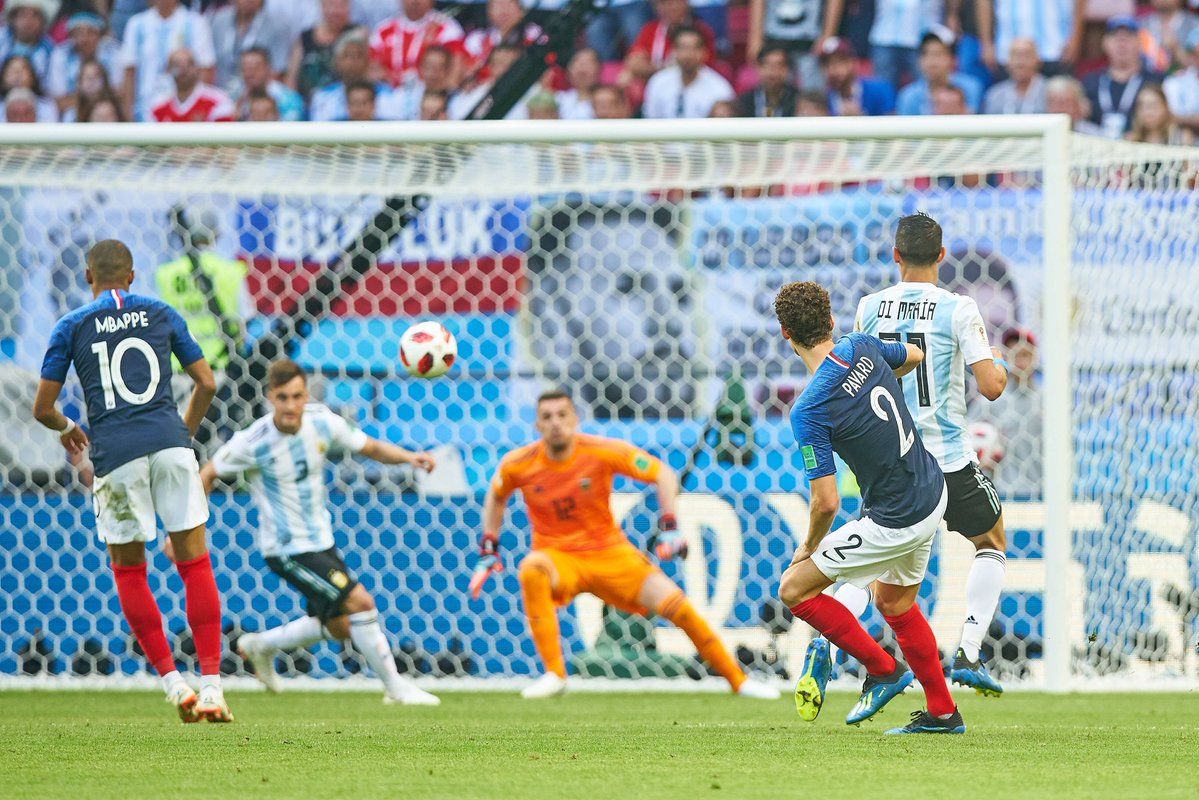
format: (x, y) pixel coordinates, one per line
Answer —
(566, 478)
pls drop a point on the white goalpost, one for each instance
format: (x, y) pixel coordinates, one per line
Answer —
(633, 262)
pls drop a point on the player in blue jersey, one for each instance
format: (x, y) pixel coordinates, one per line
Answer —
(121, 346)
(949, 329)
(853, 406)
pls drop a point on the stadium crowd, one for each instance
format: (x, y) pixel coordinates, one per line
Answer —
(1117, 67)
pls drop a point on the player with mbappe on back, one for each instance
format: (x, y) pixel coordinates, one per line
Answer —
(853, 406)
(121, 346)
(949, 329)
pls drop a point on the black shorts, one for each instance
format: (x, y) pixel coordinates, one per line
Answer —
(973, 502)
(321, 577)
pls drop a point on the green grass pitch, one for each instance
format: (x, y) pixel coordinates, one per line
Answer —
(95, 745)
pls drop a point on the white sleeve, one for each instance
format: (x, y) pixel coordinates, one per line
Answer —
(235, 456)
(653, 92)
(970, 332)
(202, 47)
(129, 56)
(342, 435)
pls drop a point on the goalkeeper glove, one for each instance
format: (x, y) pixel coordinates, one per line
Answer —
(489, 562)
(669, 542)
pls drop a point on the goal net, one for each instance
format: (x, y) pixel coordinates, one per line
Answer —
(634, 264)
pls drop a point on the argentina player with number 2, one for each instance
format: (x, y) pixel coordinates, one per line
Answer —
(121, 345)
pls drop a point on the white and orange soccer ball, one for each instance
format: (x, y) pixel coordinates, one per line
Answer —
(988, 444)
(428, 350)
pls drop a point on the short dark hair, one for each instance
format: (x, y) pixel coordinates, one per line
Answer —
(109, 260)
(933, 38)
(805, 313)
(918, 239)
(261, 96)
(258, 50)
(284, 371)
(554, 394)
(362, 86)
(770, 50)
(687, 30)
(437, 50)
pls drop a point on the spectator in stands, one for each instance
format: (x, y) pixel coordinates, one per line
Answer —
(257, 77)
(150, 38)
(311, 63)
(610, 102)
(724, 109)
(360, 102)
(1055, 27)
(18, 73)
(1024, 90)
(620, 21)
(652, 49)
(91, 86)
(262, 107)
(193, 100)
(20, 105)
(433, 74)
(1113, 91)
(938, 67)
(849, 95)
(812, 103)
(397, 44)
(1152, 121)
(542, 105)
(800, 26)
(25, 33)
(583, 73)
(87, 42)
(503, 18)
(895, 37)
(1165, 32)
(1016, 416)
(775, 95)
(949, 101)
(499, 61)
(434, 106)
(243, 25)
(1065, 95)
(688, 89)
(103, 110)
(1182, 88)
(351, 64)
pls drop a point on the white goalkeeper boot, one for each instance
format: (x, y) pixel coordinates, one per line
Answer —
(548, 685)
(260, 659)
(758, 690)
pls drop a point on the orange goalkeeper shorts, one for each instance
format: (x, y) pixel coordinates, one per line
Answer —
(614, 575)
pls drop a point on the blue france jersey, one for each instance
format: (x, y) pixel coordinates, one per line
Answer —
(121, 345)
(853, 406)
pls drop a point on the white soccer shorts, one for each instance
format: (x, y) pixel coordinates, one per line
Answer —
(165, 483)
(862, 551)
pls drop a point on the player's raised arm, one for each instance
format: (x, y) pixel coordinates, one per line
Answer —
(388, 453)
(991, 375)
(987, 364)
(902, 358)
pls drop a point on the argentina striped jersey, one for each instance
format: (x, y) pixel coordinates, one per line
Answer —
(287, 477)
(950, 331)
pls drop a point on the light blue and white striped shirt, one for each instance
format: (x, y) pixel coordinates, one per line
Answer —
(287, 477)
(950, 331)
(1046, 22)
(149, 41)
(901, 23)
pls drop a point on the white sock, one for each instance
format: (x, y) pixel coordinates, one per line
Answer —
(856, 600)
(369, 640)
(983, 587)
(293, 635)
(210, 682)
(171, 680)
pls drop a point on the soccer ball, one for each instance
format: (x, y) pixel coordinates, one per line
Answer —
(987, 444)
(428, 350)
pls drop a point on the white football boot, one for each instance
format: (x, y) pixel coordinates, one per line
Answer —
(261, 661)
(548, 685)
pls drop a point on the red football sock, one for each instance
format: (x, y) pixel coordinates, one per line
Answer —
(143, 616)
(841, 628)
(203, 611)
(919, 647)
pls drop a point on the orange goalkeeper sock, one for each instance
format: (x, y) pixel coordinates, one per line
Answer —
(678, 609)
(543, 618)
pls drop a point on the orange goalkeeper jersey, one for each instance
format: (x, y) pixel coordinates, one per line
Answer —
(568, 500)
